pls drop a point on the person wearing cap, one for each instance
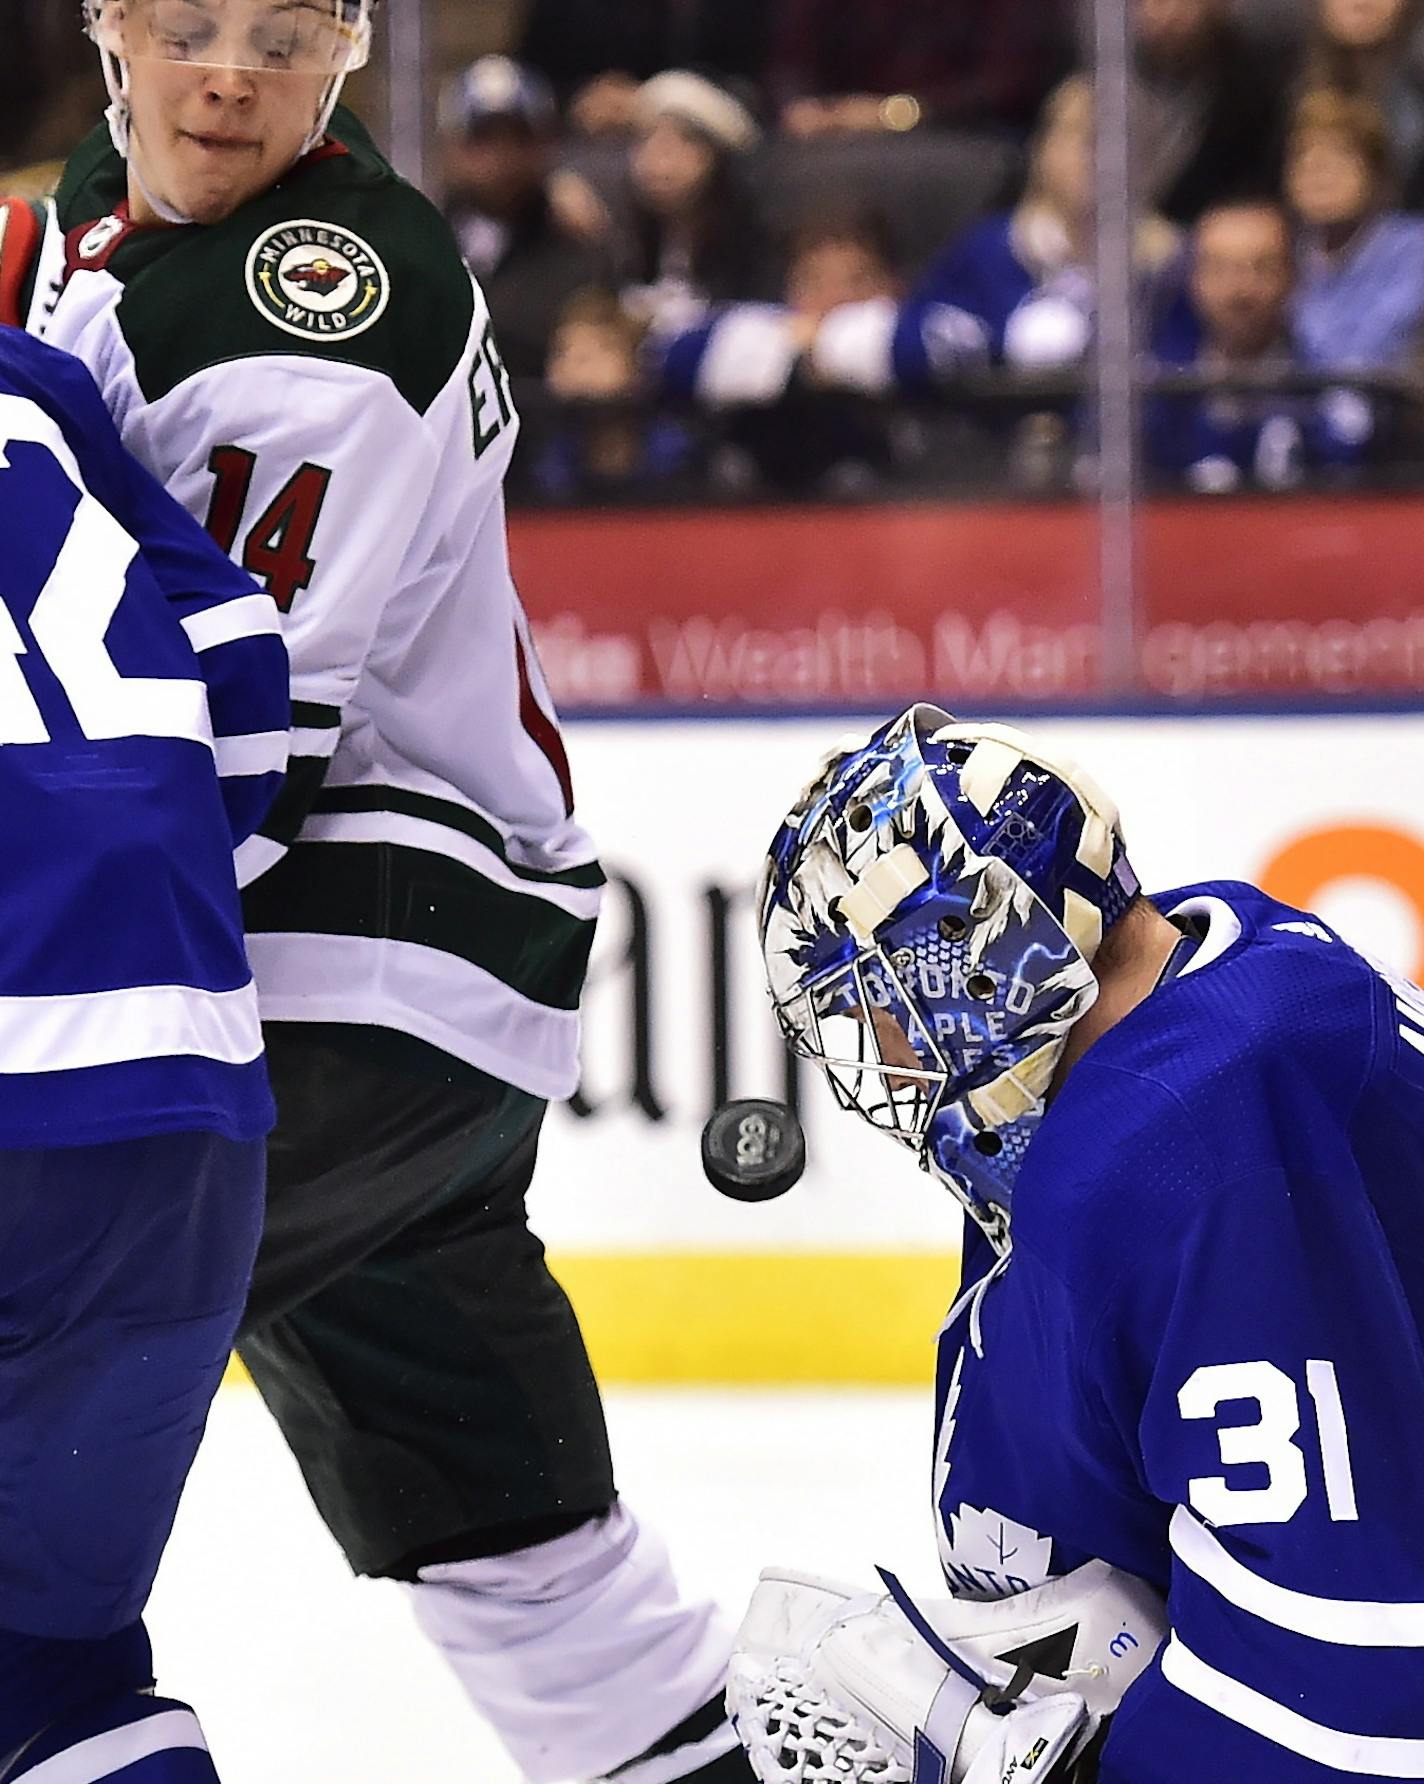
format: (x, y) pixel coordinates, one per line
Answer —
(529, 231)
(693, 235)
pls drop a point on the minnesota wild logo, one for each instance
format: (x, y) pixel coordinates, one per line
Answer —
(317, 281)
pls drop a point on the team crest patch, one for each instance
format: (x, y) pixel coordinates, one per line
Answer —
(317, 281)
(986, 1555)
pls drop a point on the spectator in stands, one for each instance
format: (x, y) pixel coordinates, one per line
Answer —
(1370, 49)
(50, 87)
(791, 375)
(1211, 106)
(1027, 274)
(528, 232)
(692, 235)
(21, 94)
(894, 64)
(605, 442)
(1234, 323)
(598, 53)
(1360, 298)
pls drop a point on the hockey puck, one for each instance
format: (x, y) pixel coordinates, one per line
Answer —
(753, 1150)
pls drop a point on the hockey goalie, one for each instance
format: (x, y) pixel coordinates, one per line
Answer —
(1180, 1422)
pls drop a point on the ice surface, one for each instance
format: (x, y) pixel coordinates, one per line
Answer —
(303, 1676)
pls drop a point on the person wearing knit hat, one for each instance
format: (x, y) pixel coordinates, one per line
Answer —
(697, 103)
(694, 236)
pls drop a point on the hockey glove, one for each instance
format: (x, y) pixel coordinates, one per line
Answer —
(831, 1683)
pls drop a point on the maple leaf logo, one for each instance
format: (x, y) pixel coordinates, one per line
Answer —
(989, 1555)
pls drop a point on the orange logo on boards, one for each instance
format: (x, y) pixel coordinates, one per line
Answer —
(1310, 864)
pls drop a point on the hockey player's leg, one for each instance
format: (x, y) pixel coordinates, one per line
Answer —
(581, 1652)
(438, 1397)
(122, 1273)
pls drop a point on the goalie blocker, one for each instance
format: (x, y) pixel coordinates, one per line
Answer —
(832, 1683)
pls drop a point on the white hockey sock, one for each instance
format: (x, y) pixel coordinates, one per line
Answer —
(579, 1651)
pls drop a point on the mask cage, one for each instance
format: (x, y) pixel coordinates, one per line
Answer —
(944, 1032)
(860, 1026)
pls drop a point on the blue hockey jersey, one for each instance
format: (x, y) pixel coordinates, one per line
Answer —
(1202, 1361)
(143, 734)
(1221, 441)
(980, 272)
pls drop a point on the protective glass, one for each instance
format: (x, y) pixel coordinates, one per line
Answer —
(319, 37)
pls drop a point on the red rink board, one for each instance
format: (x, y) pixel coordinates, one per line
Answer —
(801, 606)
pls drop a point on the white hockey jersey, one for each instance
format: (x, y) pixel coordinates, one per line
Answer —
(316, 380)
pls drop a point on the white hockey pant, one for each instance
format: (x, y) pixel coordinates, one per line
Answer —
(579, 1651)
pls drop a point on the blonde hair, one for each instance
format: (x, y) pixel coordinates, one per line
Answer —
(1351, 116)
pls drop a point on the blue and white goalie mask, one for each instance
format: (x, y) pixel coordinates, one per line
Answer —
(929, 914)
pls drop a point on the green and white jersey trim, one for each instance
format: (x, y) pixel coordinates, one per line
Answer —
(452, 1005)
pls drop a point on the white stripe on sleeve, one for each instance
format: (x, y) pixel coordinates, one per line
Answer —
(308, 742)
(249, 616)
(1367, 1755)
(102, 1755)
(1350, 1622)
(87, 1028)
(254, 752)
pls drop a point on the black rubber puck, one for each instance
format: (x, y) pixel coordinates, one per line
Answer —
(753, 1150)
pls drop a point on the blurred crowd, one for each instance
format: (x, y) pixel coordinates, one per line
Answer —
(795, 247)
(718, 237)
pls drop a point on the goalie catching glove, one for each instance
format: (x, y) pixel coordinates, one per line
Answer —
(831, 1683)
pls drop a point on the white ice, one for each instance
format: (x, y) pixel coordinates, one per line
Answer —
(302, 1675)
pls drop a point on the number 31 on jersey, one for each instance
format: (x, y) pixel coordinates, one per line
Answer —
(1269, 1441)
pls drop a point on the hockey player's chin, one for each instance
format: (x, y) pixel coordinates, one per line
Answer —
(210, 206)
(213, 183)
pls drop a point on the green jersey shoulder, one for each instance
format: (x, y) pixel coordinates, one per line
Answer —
(342, 261)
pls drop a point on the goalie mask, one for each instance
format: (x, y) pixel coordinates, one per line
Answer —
(929, 914)
(328, 38)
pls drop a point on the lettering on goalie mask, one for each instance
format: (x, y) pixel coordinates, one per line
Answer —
(929, 913)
